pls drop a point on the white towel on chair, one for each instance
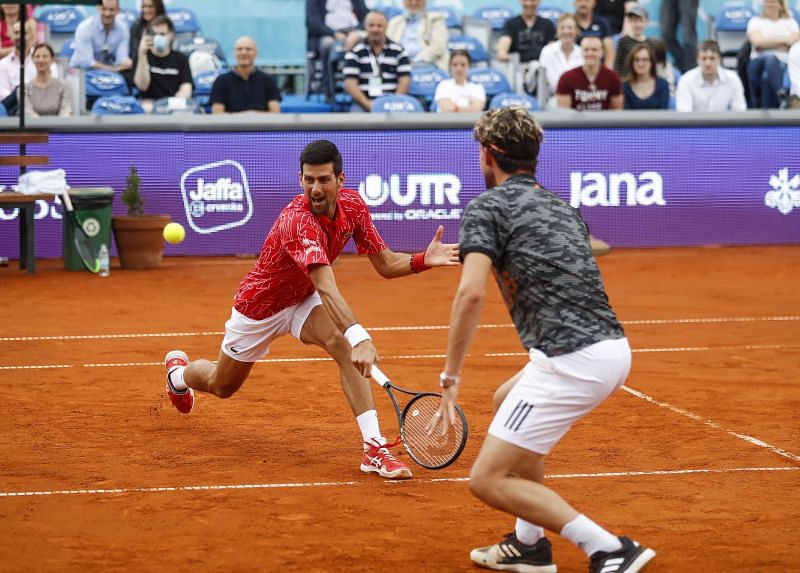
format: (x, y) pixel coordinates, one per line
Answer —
(53, 181)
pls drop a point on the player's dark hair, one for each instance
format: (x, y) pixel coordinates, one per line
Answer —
(320, 152)
(512, 136)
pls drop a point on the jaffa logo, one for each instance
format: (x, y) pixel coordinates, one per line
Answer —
(216, 196)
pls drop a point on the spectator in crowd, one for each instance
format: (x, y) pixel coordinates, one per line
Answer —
(560, 56)
(635, 23)
(46, 94)
(101, 42)
(643, 89)
(590, 24)
(709, 86)
(149, 10)
(592, 86)
(9, 15)
(330, 21)
(794, 75)
(613, 12)
(770, 35)
(375, 66)
(10, 65)
(458, 94)
(422, 34)
(526, 34)
(161, 71)
(664, 67)
(245, 88)
(681, 14)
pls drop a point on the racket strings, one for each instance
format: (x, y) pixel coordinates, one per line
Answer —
(435, 449)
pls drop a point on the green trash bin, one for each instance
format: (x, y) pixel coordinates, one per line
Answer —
(93, 211)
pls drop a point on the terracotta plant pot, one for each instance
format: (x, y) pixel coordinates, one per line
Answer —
(139, 240)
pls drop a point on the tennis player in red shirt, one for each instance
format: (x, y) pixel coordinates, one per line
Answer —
(292, 290)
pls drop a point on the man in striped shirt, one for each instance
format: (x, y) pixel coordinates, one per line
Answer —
(375, 66)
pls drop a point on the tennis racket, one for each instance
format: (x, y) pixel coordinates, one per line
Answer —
(433, 452)
(83, 244)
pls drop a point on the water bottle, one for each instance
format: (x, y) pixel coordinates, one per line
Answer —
(104, 262)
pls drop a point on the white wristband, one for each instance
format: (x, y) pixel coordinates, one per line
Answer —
(356, 334)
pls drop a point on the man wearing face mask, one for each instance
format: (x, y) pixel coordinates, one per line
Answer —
(161, 71)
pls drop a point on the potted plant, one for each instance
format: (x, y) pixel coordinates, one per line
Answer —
(139, 240)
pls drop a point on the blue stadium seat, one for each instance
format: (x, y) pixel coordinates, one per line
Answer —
(203, 83)
(396, 104)
(496, 15)
(3, 111)
(67, 49)
(61, 22)
(297, 103)
(424, 81)
(176, 106)
(185, 22)
(787, 81)
(205, 54)
(494, 81)
(100, 83)
(552, 13)
(391, 11)
(477, 52)
(730, 31)
(507, 99)
(451, 17)
(117, 105)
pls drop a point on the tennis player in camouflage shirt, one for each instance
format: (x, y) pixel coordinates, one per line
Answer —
(538, 248)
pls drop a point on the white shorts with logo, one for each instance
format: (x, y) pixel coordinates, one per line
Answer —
(248, 340)
(555, 392)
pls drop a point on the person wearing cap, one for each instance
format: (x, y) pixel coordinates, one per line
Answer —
(635, 23)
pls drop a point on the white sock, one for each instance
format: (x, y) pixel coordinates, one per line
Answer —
(176, 378)
(368, 424)
(589, 536)
(528, 533)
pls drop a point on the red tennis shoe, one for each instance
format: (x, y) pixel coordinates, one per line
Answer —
(377, 458)
(183, 400)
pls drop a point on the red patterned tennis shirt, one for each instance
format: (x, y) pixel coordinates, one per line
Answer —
(297, 240)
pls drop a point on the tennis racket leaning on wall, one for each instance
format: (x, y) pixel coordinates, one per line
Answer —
(83, 244)
(435, 451)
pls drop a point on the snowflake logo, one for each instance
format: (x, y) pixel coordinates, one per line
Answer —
(785, 194)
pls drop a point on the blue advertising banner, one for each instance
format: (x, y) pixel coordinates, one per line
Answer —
(636, 187)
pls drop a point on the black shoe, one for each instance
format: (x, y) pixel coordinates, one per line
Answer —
(512, 555)
(630, 559)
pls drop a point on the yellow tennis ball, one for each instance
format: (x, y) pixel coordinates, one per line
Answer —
(174, 233)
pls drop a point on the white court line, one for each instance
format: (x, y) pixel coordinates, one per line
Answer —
(712, 424)
(403, 357)
(396, 328)
(351, 483)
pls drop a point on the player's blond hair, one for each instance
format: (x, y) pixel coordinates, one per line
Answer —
(512, 136)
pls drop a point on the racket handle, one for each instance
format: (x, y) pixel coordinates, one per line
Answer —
(67, 200)
(379, 376)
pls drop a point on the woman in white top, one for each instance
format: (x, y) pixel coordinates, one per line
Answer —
(560, 56)
(458, 94)
(771, 35)
(45, 94)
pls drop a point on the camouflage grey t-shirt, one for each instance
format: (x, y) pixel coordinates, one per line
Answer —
(543, 263)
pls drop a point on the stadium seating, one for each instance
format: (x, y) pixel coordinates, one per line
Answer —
(508, 99)
(496, 15)
(730, 31)
(204, 54)
(304, 104)
(185, 22)
(552, 13)
(61, 22)
(67, 48)
(127, 17)
(452, 18)
(424, 80)
(396, 104)
(202, 87)
(3, 111)
(494, 81)
(477, 52)
(117, 105)
(101, 83)
(391, 11)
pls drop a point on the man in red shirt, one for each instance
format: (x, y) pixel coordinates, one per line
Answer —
(593, 86)
(291, 290)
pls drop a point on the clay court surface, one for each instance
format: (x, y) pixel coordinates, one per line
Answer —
(698, 457)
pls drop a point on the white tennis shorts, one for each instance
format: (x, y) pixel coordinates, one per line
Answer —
(248, 340)
(555, 392)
